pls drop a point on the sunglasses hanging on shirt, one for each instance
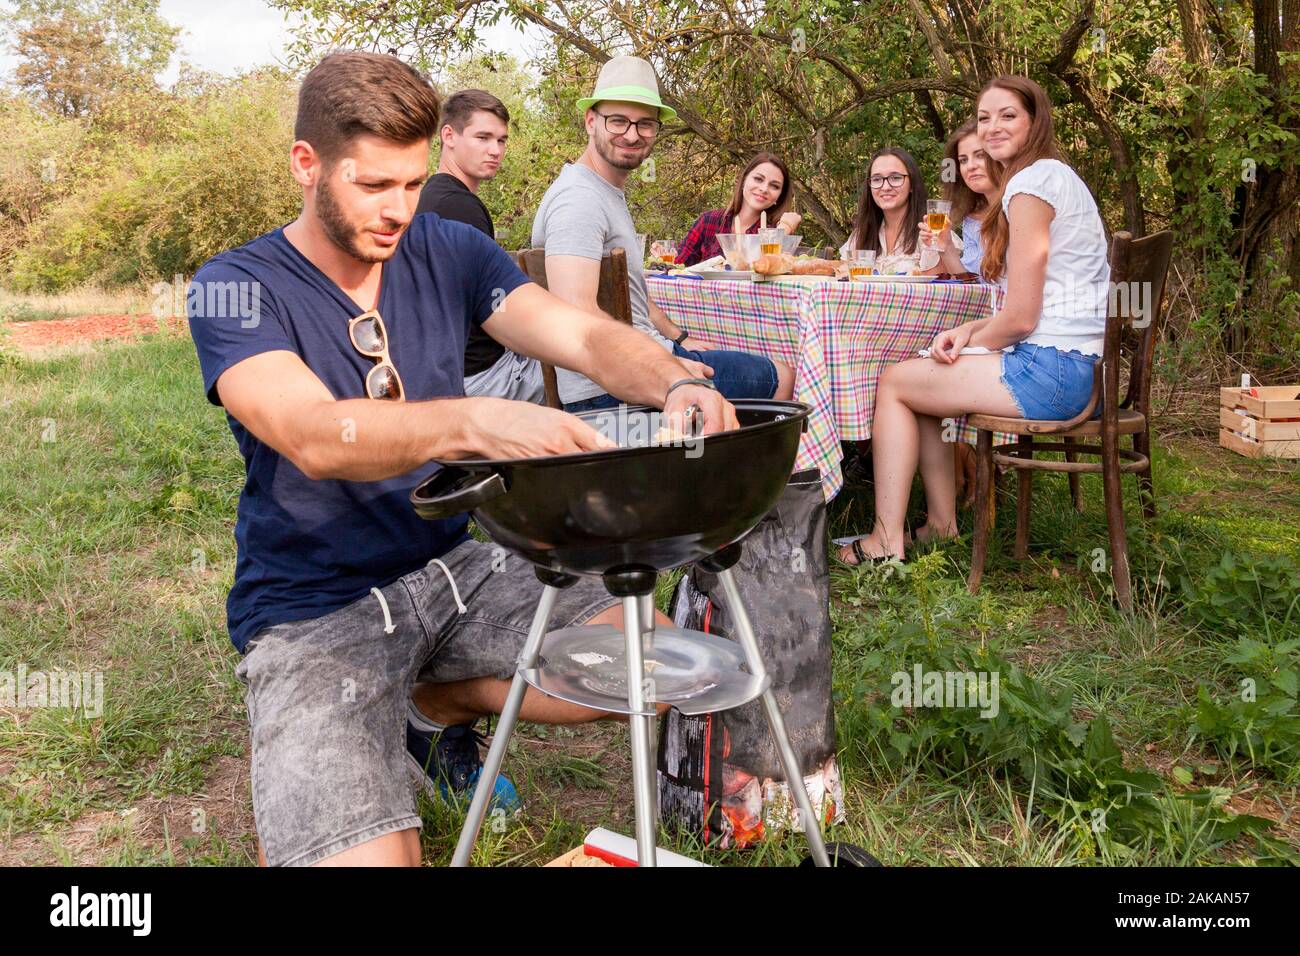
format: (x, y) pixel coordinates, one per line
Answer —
(370, 338)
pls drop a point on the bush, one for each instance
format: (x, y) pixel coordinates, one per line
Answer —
(164, 208)
(39, 163)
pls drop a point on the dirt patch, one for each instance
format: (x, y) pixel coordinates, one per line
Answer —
(1284, 813)
(214, 824)
(43, 337)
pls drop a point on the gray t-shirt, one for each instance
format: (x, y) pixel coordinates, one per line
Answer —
(584, 215)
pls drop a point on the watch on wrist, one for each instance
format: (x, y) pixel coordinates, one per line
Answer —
(681, 338)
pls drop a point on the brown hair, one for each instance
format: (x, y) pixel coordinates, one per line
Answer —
(869, 218)
(461, 106)
(995, 231)
(965, 201)
(349, 94)
(775, 210)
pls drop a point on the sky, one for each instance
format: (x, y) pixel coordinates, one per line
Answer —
(235, 35)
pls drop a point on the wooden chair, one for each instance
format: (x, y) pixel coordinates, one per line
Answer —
(1134, 264)
(612, 295)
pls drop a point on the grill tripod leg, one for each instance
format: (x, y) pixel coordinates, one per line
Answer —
(640, 697)
(793, 775)
(505, 728)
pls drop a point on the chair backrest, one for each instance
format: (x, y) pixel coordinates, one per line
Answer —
(612, 295)
(1138, 268)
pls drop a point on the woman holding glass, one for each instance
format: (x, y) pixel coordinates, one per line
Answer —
(890, 210)
(763, 186)
(968, 195)
(1045, 246)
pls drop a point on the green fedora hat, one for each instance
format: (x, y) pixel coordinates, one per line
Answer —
(628, 79)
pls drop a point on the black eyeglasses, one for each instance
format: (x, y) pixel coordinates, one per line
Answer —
(618, 125)
(894, 179)
(370, 338)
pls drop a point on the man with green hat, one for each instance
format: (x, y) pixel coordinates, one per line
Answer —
(584, 216)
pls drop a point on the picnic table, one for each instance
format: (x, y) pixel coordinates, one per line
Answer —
(837, 336)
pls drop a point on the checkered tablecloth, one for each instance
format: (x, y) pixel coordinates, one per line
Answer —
(838, 336)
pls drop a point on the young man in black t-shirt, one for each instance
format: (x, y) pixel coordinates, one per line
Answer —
(475, 127)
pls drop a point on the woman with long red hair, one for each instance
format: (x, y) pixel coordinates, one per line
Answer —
(1045, 245)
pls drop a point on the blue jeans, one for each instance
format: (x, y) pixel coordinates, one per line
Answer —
(1046, 383)
(736, 375)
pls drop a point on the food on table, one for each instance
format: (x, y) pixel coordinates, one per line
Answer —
(778, 264)
(814, 267)
(739, 250)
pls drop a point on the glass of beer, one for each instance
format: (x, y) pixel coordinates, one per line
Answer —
(861, 263)
(665, 250)
(769, 241)
(936, 217)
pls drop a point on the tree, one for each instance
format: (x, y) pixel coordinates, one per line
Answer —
(1178, 112)
(72, 55)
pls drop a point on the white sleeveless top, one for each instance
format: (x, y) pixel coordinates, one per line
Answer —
(926, 257)
(1077, 282)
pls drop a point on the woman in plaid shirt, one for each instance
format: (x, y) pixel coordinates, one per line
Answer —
(763, 186)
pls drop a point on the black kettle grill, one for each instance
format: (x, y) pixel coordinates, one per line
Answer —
(627, 514)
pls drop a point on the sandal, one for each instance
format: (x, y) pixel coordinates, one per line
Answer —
(862, 556)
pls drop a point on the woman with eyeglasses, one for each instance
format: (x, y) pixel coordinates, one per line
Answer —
(890, 210)
(762, 186)
(1045, 246)
(977, 179)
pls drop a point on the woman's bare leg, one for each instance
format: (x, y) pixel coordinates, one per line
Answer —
(937, 474)
(909, 392)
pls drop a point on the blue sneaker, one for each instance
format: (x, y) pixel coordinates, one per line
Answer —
(450, 760)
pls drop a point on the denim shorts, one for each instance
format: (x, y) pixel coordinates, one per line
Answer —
(1046, 383)
(327, 698)
(512, 376)
(736, 375)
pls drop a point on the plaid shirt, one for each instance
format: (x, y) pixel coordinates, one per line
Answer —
(701, 242)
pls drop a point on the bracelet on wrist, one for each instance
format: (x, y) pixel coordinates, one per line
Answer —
(703, 382)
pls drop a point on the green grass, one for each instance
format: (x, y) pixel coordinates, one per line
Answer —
(116, 553)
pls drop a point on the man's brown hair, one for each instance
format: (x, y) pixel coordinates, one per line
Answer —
(352, 93)
(463, 104)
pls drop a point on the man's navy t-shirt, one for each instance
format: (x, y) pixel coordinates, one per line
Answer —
(306, 548)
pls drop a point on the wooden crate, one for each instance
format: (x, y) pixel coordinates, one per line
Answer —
(577, 857)
(1268, 426)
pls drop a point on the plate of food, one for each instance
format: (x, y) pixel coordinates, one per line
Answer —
(781, 265)
(727, 274)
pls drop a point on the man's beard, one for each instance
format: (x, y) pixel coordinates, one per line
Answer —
(607, 152)
(337, 228)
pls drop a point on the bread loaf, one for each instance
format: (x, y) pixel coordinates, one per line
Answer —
(814, 267)
(774, 264)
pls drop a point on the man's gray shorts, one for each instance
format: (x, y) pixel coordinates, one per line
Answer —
(327, 698)
(511, 376)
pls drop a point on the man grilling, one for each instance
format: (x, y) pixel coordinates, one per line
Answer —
(341, 382)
